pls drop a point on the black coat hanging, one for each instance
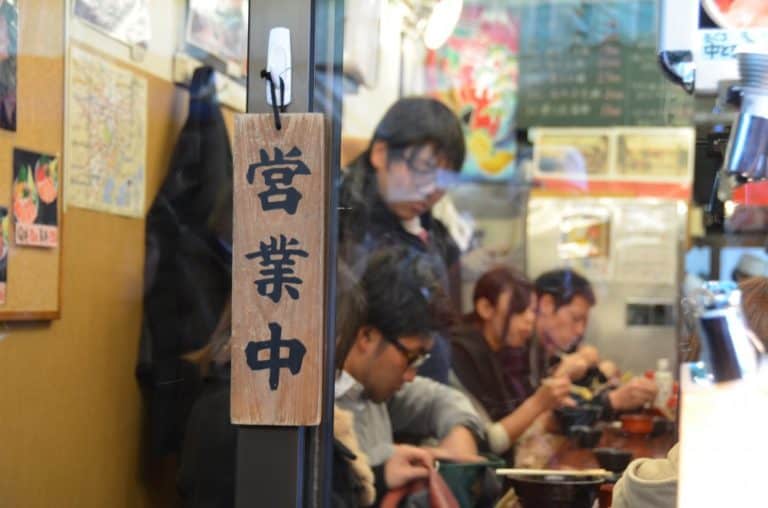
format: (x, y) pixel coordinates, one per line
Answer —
(187, 279)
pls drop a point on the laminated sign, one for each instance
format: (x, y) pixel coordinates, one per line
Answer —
(280, 182)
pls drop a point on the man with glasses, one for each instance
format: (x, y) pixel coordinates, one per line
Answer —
(387, 194)
(564, 301)
(404, 305)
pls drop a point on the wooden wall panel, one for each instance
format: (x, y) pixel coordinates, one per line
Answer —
(71, 416)
(34, 273)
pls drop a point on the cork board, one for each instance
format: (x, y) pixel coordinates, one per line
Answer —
(33, 272)
(279, 260)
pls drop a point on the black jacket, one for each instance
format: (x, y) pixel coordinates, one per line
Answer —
(207, 468)
(187, 271)
(480, 372)
(366, 224)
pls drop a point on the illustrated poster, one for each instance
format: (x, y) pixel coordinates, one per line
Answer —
(107, 136)
(35, 198)
(8, 62)
(475, 73)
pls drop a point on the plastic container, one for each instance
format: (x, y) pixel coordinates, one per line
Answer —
(664, 380)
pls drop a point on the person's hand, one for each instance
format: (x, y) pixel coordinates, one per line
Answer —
(633, 394)
(590, 354)
(554, 392)
(572, 366)
(406, 464)
(609, 369)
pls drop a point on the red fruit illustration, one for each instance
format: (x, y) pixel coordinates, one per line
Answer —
(46, 179)
(25, 197)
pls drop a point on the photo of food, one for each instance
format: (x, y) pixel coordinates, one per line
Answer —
(35, 198)
(559, 153)
(656, 154)
(5, 227)
(584, 236)
(738, 13)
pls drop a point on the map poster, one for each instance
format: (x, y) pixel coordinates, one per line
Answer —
(106, 136)
(35, 198)
(4, 235)
(125, 20)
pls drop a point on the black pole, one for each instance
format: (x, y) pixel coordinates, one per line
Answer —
(290, 466)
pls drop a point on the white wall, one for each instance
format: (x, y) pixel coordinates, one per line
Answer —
(363, 109)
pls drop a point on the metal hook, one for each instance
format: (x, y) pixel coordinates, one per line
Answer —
(275, 108)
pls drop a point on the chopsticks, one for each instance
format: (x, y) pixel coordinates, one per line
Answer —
(553, 472)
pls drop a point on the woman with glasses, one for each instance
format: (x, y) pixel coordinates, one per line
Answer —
(503, 320)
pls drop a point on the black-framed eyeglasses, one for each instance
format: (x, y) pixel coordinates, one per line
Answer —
(415, 359)
(418, 165)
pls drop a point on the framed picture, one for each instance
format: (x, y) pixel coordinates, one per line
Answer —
(573, 154)
(220, 28)
(655, 154)
(124, 20)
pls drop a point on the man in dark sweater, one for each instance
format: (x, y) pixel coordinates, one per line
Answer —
(565, 299)
(387, 194)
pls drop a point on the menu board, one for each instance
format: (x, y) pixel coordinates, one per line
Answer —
(594, 64)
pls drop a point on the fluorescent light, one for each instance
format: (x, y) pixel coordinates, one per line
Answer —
(445, 15)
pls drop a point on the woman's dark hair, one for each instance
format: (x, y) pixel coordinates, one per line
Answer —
(422, 121)
(492, 284)
(563, 285)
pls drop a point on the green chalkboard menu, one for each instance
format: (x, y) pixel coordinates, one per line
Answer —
(586, 63)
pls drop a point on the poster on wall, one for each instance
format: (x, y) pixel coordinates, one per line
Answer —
(647, 243)
(220, 27)
(8, 62)
(584, 242)
(5, 227)
(584, 235)
(107, 136)
(35, 198)
(655, 154)
(124, 20)
(475, 73)
(574, 154)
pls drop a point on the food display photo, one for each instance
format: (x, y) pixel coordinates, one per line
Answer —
(35, 198)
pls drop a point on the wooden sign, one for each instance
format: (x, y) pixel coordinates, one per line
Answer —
(278, 296)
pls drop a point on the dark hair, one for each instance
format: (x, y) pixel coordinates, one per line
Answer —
(350, 311)
(422, 121)
(403, 294)
(496, 281)
(754, 302)
(563, 285)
